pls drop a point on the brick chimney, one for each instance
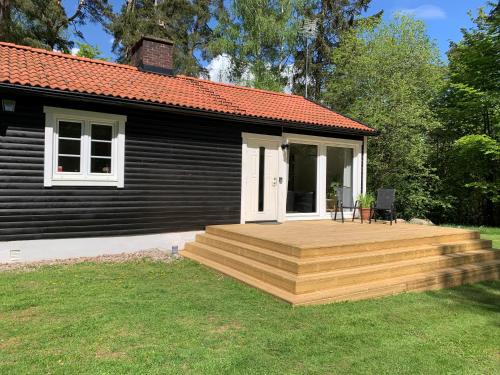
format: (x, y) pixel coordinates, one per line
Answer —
(153, 55)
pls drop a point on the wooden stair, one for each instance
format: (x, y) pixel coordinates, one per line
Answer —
(308, 275)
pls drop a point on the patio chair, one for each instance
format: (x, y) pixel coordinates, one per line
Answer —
(345, 200)
(385, 203)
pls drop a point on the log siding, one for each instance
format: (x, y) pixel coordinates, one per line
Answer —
(181, 173)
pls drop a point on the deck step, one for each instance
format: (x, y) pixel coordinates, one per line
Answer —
(315, 251)
(358, 275)
(334, 262)
(444, 278)
(366, 258)
(274, 276)
(305, 283)
(247, 279)
(320, 262)
(260, 254)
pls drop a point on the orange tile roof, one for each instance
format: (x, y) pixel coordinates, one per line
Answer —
(27, 66)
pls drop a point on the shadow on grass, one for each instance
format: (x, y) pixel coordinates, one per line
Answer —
(484, 295)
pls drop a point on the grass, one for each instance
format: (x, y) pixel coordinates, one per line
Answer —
(146, 317)
(157, 318)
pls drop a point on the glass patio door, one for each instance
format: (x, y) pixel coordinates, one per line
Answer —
(339, 171)
(302, 178)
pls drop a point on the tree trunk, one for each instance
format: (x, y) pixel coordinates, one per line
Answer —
(4, 17)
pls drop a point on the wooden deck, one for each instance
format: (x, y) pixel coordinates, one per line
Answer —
(306, 262)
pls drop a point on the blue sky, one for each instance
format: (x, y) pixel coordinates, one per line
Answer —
(444, 19)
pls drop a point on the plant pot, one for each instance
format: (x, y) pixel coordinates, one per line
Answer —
(330, 204)
(365, 214)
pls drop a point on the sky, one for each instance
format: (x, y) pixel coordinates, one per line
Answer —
(444, 19)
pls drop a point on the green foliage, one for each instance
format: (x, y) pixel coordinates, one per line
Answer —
(45, 23)
(149, 317)
(184, 22)
(259, 36)
(387, 75)
(469, 110)
(332, 189)
(89, 51)
(366, 200)
(266, 45)
(477, 160)
(471, 178)
(332, 18)
(470, 104)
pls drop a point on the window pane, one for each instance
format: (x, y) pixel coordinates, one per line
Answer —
(302, 173)
(70, 129)
(102, 132)
(101, 149)
(338, 173)
(262, 162)
(69, 146)
(100, 165)
(68, 164)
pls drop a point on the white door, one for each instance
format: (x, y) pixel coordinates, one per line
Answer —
(261, 179)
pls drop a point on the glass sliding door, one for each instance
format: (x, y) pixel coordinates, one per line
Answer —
(339, 171)
(302, 178)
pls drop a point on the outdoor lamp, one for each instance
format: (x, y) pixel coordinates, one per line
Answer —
(8, 105)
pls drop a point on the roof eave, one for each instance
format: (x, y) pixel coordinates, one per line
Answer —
(350, 118)
(69, 95)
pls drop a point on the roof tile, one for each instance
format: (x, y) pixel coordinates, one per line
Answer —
(34, 67)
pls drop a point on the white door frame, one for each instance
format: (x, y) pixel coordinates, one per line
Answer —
(281, 193)
(359, 167)
(322, 143)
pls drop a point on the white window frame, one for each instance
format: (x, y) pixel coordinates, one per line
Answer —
(322, 143)
(52, 177)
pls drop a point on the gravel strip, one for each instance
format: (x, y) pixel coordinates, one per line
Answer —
(155, 255)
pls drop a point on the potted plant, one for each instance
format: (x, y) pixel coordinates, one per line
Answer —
(331, 197)
(365, 201)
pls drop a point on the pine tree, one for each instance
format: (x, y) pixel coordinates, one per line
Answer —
(265, 43)
(45, 23)
(259, 37)
(184, 22)
(332, 18)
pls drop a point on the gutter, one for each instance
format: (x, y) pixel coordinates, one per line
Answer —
(100, 99)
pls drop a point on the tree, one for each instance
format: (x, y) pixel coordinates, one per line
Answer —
(264, 41)
(184, 22)
(45, 23)
(332, 18)
(90, 52)
(259, 36)
(469, 110)
(471, 101)
(387, 75)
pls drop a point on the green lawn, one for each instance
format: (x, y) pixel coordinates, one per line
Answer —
(148, 317)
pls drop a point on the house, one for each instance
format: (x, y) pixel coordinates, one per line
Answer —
(127, 157)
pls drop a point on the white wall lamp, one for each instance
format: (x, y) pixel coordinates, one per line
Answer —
(8, 105)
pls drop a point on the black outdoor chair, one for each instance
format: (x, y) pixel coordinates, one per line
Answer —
(385, 203)
(345, 200)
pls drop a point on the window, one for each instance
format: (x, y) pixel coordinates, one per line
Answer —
(339, 173)
(83, 148)
(316, 165)
(262, 166)
(302, 178)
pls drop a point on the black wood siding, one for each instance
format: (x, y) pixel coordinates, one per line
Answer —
(181, 173)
